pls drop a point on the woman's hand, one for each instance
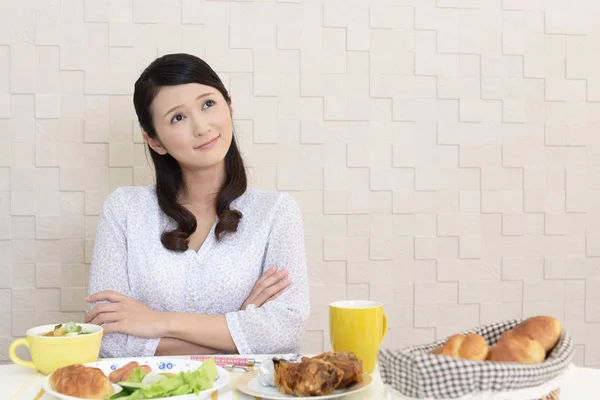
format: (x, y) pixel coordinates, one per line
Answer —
(125, 315)
(268, 287)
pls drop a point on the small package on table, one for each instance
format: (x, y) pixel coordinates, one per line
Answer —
(516, 359)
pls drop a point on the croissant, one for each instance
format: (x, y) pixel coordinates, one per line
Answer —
(80, 381)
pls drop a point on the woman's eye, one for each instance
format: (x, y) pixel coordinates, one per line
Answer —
(176, 118)
(208, 104)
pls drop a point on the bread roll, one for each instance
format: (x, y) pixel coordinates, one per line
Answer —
(527, 343)
(516, 348)
(81, 381)
(543, 329)
(468, 347)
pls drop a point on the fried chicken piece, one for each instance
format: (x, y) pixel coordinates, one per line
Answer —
(347, 362)
(80, 381)
(311, 377)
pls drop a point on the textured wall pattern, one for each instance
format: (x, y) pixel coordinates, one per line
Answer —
(446, 154)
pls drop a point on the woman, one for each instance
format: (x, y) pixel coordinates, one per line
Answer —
(197, 264)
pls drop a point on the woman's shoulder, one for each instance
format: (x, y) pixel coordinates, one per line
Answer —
(271, 198)
(122, 198)
(267, 202)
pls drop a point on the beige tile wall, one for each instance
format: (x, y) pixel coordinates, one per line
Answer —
(446, 154)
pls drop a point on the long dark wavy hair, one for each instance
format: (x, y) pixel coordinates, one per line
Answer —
(178, 69)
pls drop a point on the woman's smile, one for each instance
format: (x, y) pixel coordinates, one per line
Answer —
(208, 144)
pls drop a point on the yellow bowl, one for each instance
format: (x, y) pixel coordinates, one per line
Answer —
(50, 353)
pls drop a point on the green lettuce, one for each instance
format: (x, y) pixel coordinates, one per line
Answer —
(136, 376)
(189, 382)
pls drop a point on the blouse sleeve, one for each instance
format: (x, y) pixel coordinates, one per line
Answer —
(109, 272)
(278, 326)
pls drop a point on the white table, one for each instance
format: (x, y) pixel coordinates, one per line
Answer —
(21, 383)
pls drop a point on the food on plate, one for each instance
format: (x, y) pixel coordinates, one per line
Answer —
(123, 373)
(138, 381)
(310, 377)
(469, 347)
(151, 385)
(348, 363)
(81, 381)
(319, 375)
(519, 349)
(68, 329)
(526, 343)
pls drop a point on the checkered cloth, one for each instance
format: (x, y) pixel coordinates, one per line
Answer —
(417, 373)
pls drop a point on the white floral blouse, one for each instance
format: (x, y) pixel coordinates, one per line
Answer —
(130, 259)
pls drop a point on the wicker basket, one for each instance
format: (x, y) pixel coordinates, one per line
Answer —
(417, 374)
(554, 395)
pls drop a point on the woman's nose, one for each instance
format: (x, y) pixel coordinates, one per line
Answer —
(200, 126)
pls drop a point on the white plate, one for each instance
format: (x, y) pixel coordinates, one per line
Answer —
(158, 364)
(249, 384)
(48, 389)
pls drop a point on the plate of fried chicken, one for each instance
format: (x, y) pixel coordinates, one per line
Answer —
(326, 376)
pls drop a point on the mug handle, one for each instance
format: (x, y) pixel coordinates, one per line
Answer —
(12, 351)
(385, 326)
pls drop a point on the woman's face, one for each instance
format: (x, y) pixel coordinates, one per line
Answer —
(193, 124)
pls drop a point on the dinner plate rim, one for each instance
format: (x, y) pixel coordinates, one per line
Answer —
(242, 383)
(222, 372)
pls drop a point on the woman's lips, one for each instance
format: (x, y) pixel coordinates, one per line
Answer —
(207, 144)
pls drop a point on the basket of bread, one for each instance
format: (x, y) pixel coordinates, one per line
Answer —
(515, 359)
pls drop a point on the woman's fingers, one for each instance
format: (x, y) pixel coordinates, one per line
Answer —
(271, 291)
(99, 309)
(268, 287)
(109, 295)
(259, 285)
(276, 295)
(267, 274)
(113, 327)
(276, 288)
(107, 317)
(271, 280)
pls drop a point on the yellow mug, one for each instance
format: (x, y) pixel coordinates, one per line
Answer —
(358, 326)
(50, 353)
